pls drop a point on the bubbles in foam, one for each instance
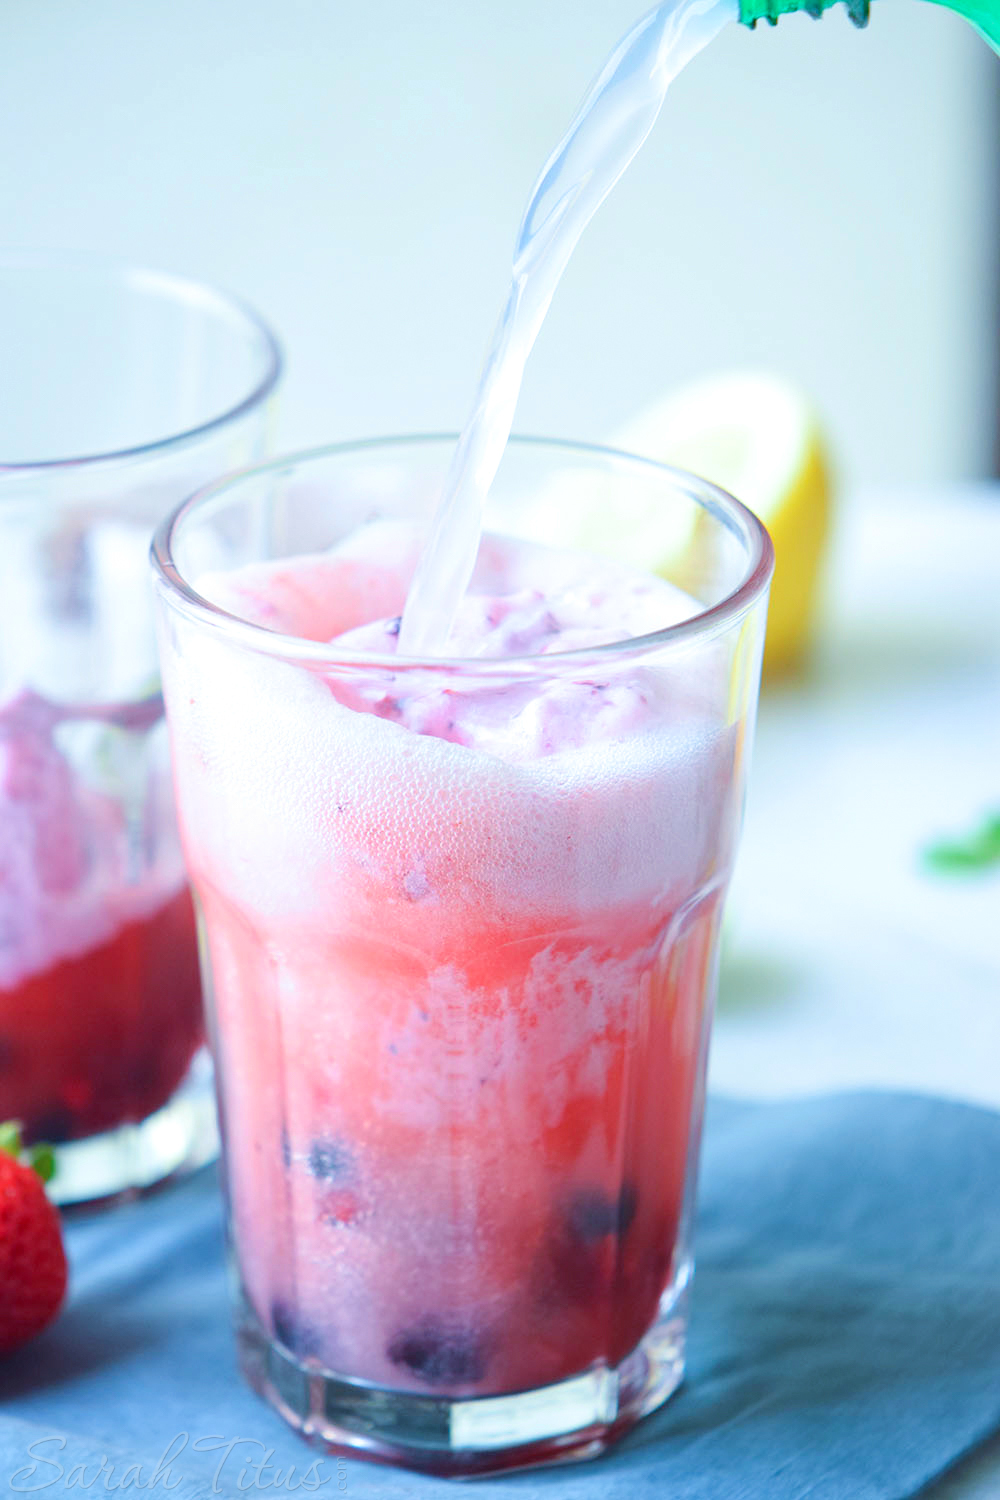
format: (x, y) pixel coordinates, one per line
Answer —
(534, 796)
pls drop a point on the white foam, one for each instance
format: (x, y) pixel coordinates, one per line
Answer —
(288, 796)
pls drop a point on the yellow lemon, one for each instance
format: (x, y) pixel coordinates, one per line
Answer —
(758, 438)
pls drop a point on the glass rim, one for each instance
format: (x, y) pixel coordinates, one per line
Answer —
(706, 622)
(180, 289)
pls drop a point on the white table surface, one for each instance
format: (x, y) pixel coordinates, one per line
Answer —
(845, 962)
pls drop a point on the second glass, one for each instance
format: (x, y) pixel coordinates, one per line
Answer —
(460, 924)
(120, 389)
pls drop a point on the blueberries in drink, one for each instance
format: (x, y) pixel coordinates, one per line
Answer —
(592, 1214)
(628, 1202)
(329, 1160)
(53, 1126)
(290, 1330)
(441, 1352)
(577, 1261)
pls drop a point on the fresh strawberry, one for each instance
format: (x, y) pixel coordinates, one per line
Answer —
(32, 1259)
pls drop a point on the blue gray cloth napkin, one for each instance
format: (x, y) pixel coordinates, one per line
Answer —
(845, 1342)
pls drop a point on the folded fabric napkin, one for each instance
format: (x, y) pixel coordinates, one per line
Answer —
(845, 1343)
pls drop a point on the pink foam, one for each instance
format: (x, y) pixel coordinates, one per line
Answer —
(68, 876)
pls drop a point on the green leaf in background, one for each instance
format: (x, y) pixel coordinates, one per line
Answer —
(968, 856)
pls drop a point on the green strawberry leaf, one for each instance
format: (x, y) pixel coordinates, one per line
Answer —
(43, 1159)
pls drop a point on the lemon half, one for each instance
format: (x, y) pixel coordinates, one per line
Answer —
(757, 437)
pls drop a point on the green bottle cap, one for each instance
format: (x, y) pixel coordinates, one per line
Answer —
(752, 11)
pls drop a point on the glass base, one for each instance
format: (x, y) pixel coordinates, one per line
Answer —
(572, 1420)
(131, 1159)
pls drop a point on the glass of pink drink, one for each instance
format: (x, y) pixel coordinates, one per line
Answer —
(460, 919)
(121, 390)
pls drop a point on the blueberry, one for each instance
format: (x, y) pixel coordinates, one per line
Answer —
(392, 626)
(286, 1148)
(53, 1126)
(441, 1352)
(628, 1202)
(592, 1214)
(291, 1331)
(328, 1160)
(577, 1259)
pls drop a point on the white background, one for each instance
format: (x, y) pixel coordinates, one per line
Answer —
(815, 199)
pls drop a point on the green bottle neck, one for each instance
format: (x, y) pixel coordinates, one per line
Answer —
(984, 14)
(752, 11)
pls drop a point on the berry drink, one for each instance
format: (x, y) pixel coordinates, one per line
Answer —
(461, 922)
(100, 997)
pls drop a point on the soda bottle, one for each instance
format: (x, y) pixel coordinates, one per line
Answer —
(983, 14)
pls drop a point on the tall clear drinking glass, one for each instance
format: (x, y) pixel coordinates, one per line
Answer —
(460, 922)
(120, 390)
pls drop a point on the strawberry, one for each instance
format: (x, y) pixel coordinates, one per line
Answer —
(32, 1259)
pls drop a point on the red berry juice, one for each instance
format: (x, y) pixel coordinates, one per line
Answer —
(461, 932)
(100, 999)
